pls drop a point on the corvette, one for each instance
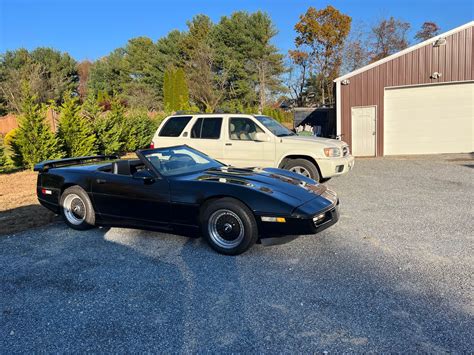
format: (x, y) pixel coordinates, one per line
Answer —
(181, 190)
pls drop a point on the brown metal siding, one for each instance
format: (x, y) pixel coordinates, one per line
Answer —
(453, 60)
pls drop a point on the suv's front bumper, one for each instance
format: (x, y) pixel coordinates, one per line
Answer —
(335, 166)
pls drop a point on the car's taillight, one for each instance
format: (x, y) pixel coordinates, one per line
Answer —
(152, 145)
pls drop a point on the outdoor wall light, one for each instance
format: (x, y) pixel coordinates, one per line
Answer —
(345, 82)
(439, 42)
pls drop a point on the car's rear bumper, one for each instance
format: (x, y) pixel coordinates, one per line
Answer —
(335, 166)
(294, 226)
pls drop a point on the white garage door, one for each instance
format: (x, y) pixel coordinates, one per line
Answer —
(429, 119)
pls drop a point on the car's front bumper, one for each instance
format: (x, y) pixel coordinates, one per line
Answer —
(294, 226)
(335, 166)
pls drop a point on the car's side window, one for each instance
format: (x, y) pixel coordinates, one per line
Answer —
(174, 126)
(242, 128)
(207, 128)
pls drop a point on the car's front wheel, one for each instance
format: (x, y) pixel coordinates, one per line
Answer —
(228, 226)
(77, 209)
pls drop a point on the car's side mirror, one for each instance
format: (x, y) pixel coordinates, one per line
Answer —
(145, 176)
(261, 137)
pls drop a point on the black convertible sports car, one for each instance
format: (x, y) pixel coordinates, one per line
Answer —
(179, 189)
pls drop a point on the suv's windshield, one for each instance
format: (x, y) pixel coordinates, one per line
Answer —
(179, 160)
(275, 127)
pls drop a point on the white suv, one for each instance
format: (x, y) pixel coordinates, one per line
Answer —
(254, 140)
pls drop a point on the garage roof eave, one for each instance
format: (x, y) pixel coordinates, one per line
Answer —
(405, 51)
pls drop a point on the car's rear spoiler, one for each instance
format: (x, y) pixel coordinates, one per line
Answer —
(48, 164)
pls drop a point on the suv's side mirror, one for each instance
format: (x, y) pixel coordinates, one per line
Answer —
(144, 175)
(261, 137)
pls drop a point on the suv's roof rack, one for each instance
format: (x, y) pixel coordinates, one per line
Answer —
(187, 112)
(217, 111)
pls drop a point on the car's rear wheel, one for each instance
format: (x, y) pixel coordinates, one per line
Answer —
(76, 208)
(228, 226)
(303, 167)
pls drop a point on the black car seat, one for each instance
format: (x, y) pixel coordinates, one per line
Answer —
(121, 167)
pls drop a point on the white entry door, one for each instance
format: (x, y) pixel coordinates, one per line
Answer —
(363, 131)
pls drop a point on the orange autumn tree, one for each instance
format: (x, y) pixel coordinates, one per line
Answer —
(322, 34)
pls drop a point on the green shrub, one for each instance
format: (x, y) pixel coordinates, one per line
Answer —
(75, 133)
(140, 130)
(33, 140)
(278, 114)
(110, 130)
(3, 157)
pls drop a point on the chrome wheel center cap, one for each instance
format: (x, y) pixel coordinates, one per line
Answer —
(227, 227)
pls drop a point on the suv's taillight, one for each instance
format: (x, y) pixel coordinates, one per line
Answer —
(152, 145)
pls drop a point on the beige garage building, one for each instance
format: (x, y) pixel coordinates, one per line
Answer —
(417, 101)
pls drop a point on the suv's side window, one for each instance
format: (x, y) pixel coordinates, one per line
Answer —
(207, 128)
(244, 129)
(174, 126)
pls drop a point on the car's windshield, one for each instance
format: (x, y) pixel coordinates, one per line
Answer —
(275, 127)
(179, 160)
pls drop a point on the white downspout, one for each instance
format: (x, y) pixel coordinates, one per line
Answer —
(338, 110)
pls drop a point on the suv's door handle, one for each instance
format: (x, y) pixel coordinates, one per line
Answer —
(228, 144)
(101, 181)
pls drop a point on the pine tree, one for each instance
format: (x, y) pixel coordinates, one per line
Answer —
(75, 132)
(111, 130)
(33, 141)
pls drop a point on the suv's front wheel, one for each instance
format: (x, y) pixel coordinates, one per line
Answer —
(303, 167)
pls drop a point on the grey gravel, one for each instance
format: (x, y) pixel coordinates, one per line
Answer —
(395, 274)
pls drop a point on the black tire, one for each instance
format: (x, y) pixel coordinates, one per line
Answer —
(295, 164)
(76, 208)
(228, 226)
(323, 180)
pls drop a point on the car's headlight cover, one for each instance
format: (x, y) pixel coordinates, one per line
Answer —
(332, 152)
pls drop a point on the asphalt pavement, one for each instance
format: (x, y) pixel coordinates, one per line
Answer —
(395, 274)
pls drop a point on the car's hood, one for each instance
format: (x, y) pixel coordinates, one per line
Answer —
(268, 180)
(326, 142)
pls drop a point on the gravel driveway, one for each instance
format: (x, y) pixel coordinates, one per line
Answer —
(395, 274)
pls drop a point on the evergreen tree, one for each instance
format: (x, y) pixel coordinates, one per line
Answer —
(175, 90)
(181, 90)
(140, 130)
(168, 90)
(33, 141)
(91, 108)
(75, 132)
(110, 129)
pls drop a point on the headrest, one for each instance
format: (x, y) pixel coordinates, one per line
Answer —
(121, 167)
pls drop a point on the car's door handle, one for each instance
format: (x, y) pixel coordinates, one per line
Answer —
(101, 181)
(228, 144)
